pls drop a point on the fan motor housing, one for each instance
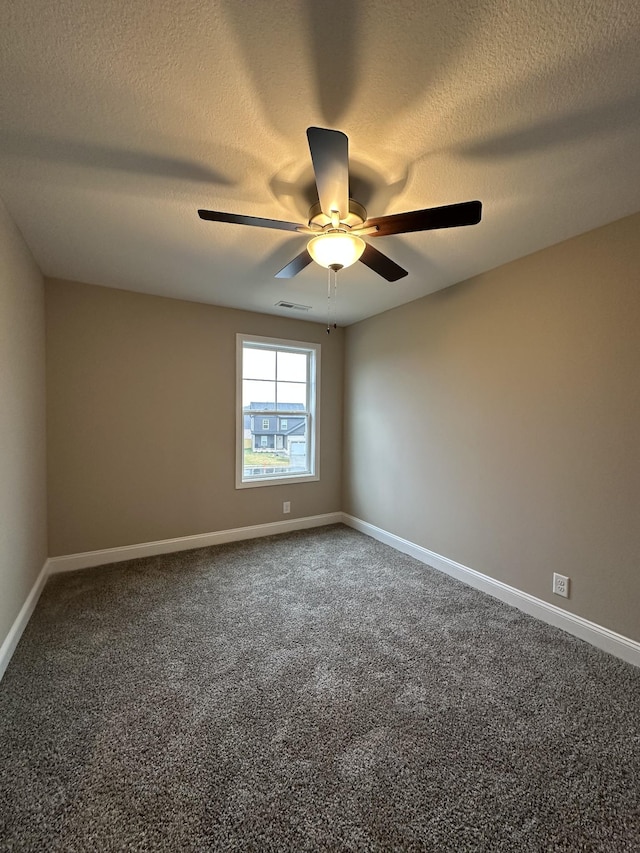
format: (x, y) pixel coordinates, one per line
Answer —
(356, 218)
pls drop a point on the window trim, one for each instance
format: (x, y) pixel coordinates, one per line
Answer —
(313, 428)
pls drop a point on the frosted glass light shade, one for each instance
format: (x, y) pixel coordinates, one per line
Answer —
(336, 248)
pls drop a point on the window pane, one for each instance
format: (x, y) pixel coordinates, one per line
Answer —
(292, 366)
(266, 458)
(258, 363)
(291, 394)
(258, 395)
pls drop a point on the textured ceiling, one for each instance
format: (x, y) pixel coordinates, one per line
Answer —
(119, 119)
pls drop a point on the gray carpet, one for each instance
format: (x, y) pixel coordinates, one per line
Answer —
(306, 692)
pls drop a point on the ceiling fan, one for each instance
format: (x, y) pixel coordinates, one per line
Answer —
(337, 223)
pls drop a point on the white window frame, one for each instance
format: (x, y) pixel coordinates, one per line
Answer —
(312, 414)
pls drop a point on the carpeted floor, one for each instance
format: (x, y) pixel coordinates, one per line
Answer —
(307, 692)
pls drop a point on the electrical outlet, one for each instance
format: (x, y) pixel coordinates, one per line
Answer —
(286, 507)
(561, 585)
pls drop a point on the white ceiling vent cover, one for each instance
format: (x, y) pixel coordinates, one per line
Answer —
(292, 306)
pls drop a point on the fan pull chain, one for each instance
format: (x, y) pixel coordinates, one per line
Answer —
(335, 300)
(329, 302)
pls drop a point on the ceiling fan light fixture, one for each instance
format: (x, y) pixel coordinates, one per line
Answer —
(336, 249)
(338, 221)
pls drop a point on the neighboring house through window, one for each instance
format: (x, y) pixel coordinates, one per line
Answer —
(277, 403)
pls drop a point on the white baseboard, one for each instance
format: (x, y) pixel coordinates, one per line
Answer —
(88, 559)
(616, 644)
(12, 639)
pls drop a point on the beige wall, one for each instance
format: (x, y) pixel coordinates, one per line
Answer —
(23, 520)
(497, 423)
(141, 419)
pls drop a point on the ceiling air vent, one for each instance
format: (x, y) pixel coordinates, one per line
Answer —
(292, 306)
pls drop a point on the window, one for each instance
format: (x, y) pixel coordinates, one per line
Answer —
(277, 382)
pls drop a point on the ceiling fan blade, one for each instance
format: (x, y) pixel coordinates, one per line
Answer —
(238, 219)
(295, 266)
(381, 264)
(448, 216)
(330, 157)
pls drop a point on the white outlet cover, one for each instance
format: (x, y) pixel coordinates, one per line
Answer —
(561, 585)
